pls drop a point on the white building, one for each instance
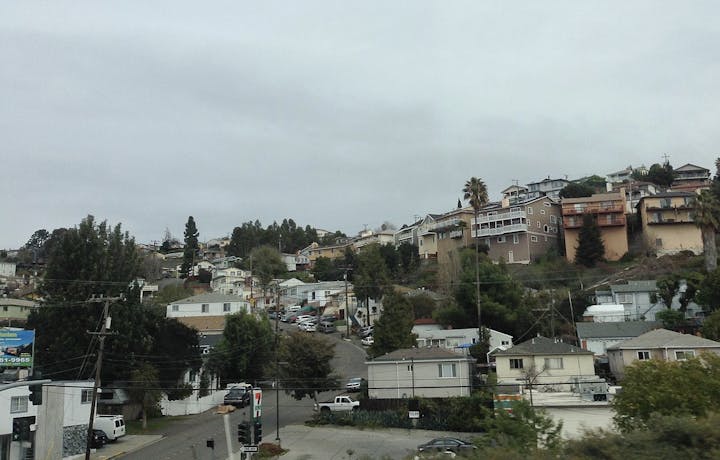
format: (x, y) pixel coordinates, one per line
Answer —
(433, 335)
(209, 304)
(7, 269)
(232, 281)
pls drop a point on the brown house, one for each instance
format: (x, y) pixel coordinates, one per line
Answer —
(667, 223)
(608, 210)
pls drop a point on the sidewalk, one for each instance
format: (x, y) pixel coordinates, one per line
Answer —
(122, 446)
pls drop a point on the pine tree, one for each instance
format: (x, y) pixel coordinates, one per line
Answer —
(191, 248)
(590, 248)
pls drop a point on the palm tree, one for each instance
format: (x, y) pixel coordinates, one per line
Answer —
(475, 192)
(707, 217)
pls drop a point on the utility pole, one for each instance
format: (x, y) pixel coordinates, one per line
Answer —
(347, 308)
(98, 366)
(277, 367)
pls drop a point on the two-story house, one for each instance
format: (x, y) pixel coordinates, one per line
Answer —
(206, 312)
(427, 237)
(608, 211)
(335, 251)
(452, 230)
(407, 234)
(232, 281)
(548, 187)
(518, 231)
(691, 178)
(667, 223)
(368, 237)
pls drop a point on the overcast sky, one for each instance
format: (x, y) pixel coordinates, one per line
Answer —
(336, 114)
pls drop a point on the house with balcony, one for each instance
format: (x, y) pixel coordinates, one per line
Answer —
(608, 211)
(232, 281)
(667, 223)
(368, 237)
(548, 187)
(335, 251)
(452, 230)
(634, 192)
(518, 231)
(691, 178)
(427, 237)
(407, 234)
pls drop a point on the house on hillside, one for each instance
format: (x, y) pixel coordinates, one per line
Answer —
(430, 334)
(640, 300)
(206, 312)
(420, 372)
(608, 212)
(598, 337)
(657, 344)
(518, 231)
(548, 187)
(544, 362)
(691, 178)
(15, 312)
(407, 234)
(453, 233)
(667, 223)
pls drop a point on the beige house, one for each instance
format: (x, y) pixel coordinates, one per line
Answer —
(544, 362)
(667, 223)
(657, 344)
(453, 233)
(608, 210)
(518, 230)
(315, 251)
(15, 312)
(425, 372)
(427, 237)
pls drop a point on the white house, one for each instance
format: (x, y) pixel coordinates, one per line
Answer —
(231, 281)
(7, 269)
(641, 301)
(544, 362)
(209, 304)
(425, 372)
(433, 335)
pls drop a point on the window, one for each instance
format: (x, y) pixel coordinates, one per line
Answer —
(175, 307)
(447, 370)
(504, 342)
(5, 308)
(542, 211)
(624, 298)
(643, 355)
(516, 363)
(226, 307)
(86, 396)
(553, 363)
(514, 209)
(18, 404)
(533, 238)
(516, 239)
(529, 210)
(500, 239)
(205, 308)
(539, 224)
(682, 355)
(546, 228)
(553, 219)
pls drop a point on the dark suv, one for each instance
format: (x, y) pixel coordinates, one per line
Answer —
(238, 397)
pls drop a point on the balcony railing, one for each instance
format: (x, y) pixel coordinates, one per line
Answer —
(500, 230)
(576, 222)
(443, 224)
(592, 209)
(501, 216)
(456, 234)
(684, 220)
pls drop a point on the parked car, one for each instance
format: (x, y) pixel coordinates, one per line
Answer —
(312, 327)
(303, 326)
(365, 331)
(99, 439)
(113, 426)
(354, 384)
(300, 318)
(454, 445)
(367, 341)
(342, 403)
(238, 396)
(326, 327)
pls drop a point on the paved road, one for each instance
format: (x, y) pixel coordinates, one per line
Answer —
(186, 439)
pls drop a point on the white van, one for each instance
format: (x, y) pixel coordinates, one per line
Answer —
(293, 309)
(112, 425)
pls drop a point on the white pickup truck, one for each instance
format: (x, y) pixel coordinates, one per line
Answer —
(340, 404)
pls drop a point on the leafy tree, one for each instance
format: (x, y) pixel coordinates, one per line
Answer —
(325, 270)
(523, 430)
(171, 293)
(267, 264)
(590, 249)
(423, 306)
(475, 193)
(308, 370)
(667, 388)
(144, 389)
(391, 257)
(596, 182)
(662, 175)
(692, 284)
(191, 248)
(245, 348)
(706, 216)
(371, 277)
(409, 258)
(711, 326)
(671, 319)
(668, 287)
(394, 328)
(576, 190)
(708, 294)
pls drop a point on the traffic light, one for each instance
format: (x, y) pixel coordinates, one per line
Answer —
(257, 429)
(17, 430)
(35, 394)
(244, 433)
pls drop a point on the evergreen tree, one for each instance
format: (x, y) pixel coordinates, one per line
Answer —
(394, 328)
(191, 248)
(371, 278)
(309, 370)
(590, 248)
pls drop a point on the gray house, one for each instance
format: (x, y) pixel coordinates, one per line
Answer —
(426, 372)
(598, 337)
(641, 301)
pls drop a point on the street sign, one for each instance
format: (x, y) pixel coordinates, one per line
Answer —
(250, 448)
(257, 402)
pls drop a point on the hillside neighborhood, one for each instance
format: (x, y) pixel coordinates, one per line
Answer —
(554, 294)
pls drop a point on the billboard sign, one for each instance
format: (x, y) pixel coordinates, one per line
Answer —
(16, 348)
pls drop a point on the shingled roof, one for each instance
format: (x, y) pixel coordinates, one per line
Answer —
(619, 329)
(422, 354)
(541, 346)
(663, 338)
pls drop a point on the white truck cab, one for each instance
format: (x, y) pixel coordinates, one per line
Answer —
(112, 425)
